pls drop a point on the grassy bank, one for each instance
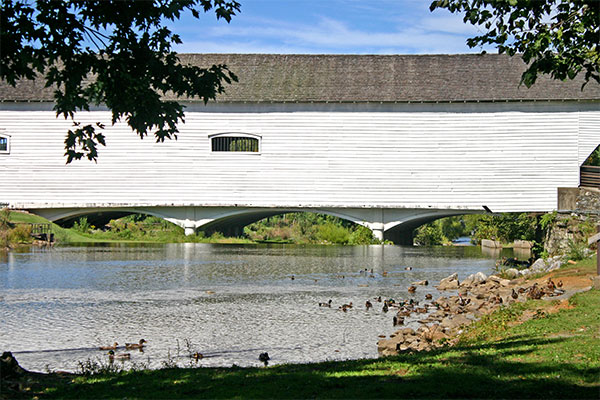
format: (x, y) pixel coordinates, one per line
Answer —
(14, 234)
(539, 349)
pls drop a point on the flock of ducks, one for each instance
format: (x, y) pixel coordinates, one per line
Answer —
(112, 356)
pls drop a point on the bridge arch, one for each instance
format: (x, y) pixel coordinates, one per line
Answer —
(396, 225)
(232, 223)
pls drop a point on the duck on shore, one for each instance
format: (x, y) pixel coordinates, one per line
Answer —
(264, 357)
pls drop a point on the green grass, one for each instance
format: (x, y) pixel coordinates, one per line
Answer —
(553, 356)
(61, 235)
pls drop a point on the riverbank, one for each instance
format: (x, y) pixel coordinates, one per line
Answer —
(536, 349)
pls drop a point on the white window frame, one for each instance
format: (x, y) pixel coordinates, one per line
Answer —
(7, 137)
(235, 134)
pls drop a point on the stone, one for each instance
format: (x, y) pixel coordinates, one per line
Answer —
(554, 266)
(538, 266)
(449, 283)
(511, 273)
(474, 279)
(455, 321)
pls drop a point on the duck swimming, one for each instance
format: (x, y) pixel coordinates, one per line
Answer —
(328, 304)
(140, 345)
(112, 347)
(120, 356)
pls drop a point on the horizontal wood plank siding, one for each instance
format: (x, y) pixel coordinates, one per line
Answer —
(507, 160)
(589, 134)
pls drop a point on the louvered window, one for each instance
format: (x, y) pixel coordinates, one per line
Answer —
(234, 142)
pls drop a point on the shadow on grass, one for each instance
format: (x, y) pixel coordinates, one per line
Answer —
(480, 371)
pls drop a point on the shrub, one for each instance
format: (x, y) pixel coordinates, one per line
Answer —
(577, 250)
(430, 235)
(82, 225)
(20, 234)
(332, 233)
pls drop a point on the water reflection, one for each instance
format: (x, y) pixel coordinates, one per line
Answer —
(231, 302)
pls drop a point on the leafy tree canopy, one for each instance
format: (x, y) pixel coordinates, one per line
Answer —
(556, 37)
(112, 52)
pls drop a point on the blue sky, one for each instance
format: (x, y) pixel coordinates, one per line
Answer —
(328, 27)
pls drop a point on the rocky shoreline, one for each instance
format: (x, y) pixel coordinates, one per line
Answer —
(446, 317)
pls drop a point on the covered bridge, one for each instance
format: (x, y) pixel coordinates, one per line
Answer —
(389, 142)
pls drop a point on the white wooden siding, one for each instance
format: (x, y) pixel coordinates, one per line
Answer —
(589, 134)
(509, 158)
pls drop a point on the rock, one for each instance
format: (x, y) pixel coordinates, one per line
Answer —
(511, 273)
(500, 281)
(493, 244)
(538, 266)
(449, 283)
(474, 279)
(455, 321)
(554, 265)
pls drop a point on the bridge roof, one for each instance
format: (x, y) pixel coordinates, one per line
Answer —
(365, 78)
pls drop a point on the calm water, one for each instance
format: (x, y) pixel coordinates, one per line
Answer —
(228, 302)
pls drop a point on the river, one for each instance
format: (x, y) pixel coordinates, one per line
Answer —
(228, 302)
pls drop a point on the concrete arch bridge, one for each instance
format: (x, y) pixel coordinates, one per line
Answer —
(390, 224)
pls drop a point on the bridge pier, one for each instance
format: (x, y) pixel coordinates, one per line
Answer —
(189, 230)
(378, 233)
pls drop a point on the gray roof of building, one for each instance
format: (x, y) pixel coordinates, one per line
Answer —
(365, 78)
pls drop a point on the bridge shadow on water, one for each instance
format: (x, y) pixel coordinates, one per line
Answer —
(506, 369)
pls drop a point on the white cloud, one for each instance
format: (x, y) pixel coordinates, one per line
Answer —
(435, 33)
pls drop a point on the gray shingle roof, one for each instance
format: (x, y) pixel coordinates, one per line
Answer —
(366, 78)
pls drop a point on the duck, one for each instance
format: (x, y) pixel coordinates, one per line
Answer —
(560, 284)
(368, 305)
(111, 347)
(385, 307)
(514, 294)
(197, 356)
(408, 268)
(398, 321)
(412, 289)
(119, 356)
(140, 345)
(264, 357)
(379, 299)
(428, 296)
(328, 304)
